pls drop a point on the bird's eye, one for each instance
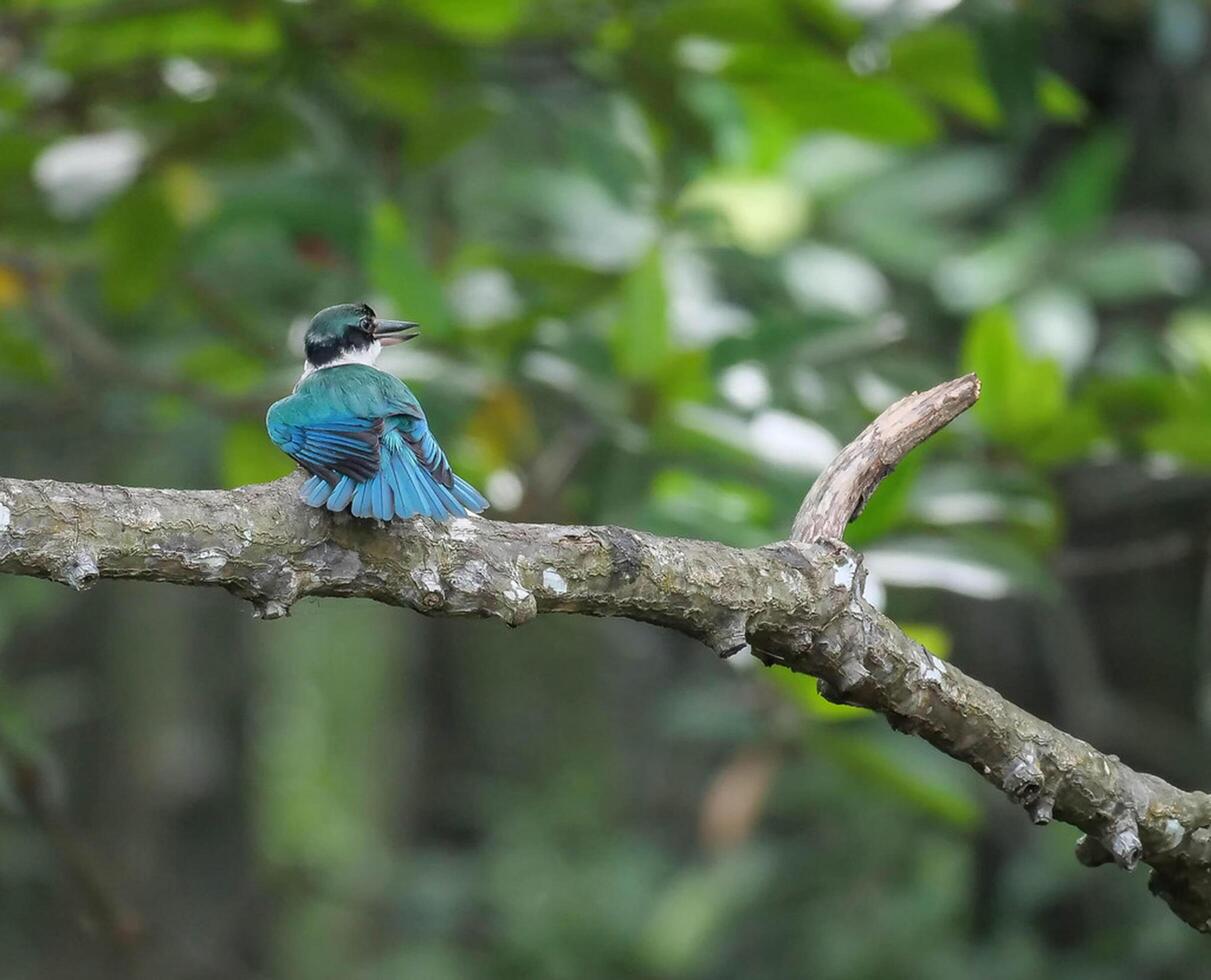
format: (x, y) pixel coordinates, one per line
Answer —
(366, 325)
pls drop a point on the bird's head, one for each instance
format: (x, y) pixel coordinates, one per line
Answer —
(351, 333)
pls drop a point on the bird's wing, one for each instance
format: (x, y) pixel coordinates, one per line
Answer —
(408, 419)
(331, 447)
(333, 425)
(418, 438)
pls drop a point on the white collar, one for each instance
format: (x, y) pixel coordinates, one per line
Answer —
(366, 355)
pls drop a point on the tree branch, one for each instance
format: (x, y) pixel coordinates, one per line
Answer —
(841, 491)
(798, 603)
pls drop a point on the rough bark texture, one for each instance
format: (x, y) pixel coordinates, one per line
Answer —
(796, 604)
(842, 490)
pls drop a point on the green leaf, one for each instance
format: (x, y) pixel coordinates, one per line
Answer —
(819, 92)
(405, 79)
(397, 269)
(1132, 405)
(754, 21)
(1072, 435)
(1081, 192)
(1188, 339)
(829, 19)
(943, 63)
(223, 366)
(434, 136)
(250, 457)
(686, 923)
(138, 238)
(1124, 272)
(932, 637)
(480, 20)
(993, 271)
(1060, 100)
(689, 503)
(1020, 396)
(640, 336)
(959, 494)
(888, 505)
(802, 690)
(206, 29)
(910, 771)
(1010, 46)
(1182, 431)
(396, 89)
(762, 214)
(22, 357)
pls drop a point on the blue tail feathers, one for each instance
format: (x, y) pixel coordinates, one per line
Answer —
(402, 487)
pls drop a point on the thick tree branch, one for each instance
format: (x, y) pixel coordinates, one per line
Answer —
(798, 603)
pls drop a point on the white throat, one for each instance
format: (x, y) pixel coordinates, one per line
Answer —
(366, 355)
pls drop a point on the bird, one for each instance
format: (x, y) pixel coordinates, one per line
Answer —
(360, 432)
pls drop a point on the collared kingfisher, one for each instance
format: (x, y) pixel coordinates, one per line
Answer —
(359, 431)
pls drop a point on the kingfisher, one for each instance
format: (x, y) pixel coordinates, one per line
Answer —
(360, 432)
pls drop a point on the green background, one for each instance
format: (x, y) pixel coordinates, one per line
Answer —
(669, 255)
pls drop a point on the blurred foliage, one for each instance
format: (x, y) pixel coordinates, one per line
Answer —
(668, 256)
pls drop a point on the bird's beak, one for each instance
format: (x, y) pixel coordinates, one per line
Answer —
(388, 332)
